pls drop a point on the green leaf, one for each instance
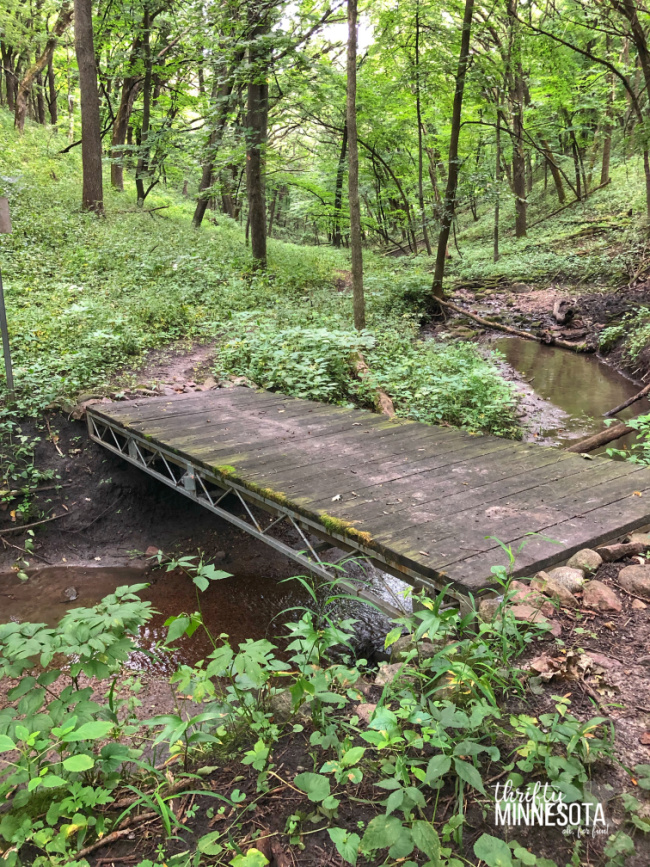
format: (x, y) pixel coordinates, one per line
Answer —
(177, 628)
(209, 845)
(426, 839)
(493, 851)
(79, 763)
(393, 636)
(6, 744)
(438, 766)
(315, 786)
(347, 845)
(469, 773)
(352, 756)
(253, 858)
(90, 731)
(382, 831)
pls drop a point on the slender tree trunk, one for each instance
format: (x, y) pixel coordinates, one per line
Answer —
(128, 94)
(25, 86)
(449, 207)
(142, 168)
(497, 187)
(51, 90)
(557, 177)
(419, 118)
(223, 95)
(257, 120)
(274, 202)
(518, 153)
(91, 141)
(40, 99)
(356, 252)
(338, 191)
(7, 54)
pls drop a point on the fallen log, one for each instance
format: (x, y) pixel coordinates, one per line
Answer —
(601, 439)
(487, 323)
(612, 553)
(628, 402)
(382, 401)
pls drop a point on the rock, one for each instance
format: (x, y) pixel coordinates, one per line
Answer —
(637, 605)
(220, 555)
(151, 551)
(488, 607)
(545, 584)
(571, 579)
(563, 311)
(387, 673)
(209, 384)
(612, 553)
(600, 597)
(643, 660)
(520, 287)
(635, 579)
(587, 560)
(528, 595)
(363, 687)
(364, 711)
(281, 706)
(528, 614)
(70, 593)
(425, 648)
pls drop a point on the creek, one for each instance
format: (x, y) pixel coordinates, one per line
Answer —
(582, 386)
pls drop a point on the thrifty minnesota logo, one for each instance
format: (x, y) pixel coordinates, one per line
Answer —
(540, 804)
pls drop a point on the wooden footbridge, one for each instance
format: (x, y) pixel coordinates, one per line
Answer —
(424, 503)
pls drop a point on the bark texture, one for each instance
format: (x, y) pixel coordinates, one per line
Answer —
(257, 123)
(449, 206)
(24, 88)
(91, 140)
(356, 252)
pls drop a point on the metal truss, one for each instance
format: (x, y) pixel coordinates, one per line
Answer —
(209, 491)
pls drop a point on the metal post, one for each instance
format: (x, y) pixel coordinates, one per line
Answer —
(5, 229)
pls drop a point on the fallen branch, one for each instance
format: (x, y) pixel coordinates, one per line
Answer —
(600, 439)
(564, 207)
(35, 524)
(487, 323)
(128, 824)
(612, 553)
(628, 402)
(382, 401)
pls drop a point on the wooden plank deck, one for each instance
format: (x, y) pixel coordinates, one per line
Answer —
(421, 500)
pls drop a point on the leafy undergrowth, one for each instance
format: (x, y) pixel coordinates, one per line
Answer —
(404, 777)
(598, 242)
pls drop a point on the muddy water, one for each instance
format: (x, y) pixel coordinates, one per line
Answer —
(242, 606)
(581, 385)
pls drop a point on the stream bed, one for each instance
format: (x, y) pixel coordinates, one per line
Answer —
(580, 385)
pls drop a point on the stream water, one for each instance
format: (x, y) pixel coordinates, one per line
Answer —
(581, 385)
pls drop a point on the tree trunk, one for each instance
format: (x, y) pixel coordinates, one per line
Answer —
(257, 120)
(517, 100)
(338, 191)
(25, 86)
(449, 207)
(223, 95)
(497, 187)
(555, 172)
(40, 99)
(274, 202)
(51, 89)
(91, 141)
(142, 168)
(121, 123)
(418, 106)
(356, 253)
(7, 54)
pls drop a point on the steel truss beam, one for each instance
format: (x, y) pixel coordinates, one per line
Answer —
(209, 490)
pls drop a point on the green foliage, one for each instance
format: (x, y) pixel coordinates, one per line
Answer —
(639, 451)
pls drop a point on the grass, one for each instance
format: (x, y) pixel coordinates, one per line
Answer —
(88, 297)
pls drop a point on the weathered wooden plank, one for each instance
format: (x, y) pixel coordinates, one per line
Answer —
(456, 490)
